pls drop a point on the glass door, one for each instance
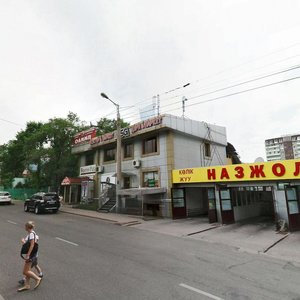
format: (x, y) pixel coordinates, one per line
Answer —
(292, 201)
(226, 206)
(178, 203)
(212, 209)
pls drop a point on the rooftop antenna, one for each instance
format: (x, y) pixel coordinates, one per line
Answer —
(158, 104)
(183, 105)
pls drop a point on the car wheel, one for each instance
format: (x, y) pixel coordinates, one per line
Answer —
(55, 211)
(26, 208)
(37, 210)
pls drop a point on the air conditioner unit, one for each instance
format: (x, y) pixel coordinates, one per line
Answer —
(136, 163)
(100, 169)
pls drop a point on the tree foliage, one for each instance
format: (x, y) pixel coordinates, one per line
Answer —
(45, 150)
(105, 125)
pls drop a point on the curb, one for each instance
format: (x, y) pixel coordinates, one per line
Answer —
(87, 216)
(271, 246)
(200, 231)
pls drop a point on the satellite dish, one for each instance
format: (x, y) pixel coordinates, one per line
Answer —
(259, 160)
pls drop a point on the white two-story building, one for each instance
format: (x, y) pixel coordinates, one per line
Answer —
(151, 149)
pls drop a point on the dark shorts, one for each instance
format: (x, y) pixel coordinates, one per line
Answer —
(34, 261)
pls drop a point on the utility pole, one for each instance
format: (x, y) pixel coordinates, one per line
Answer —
(118, 154)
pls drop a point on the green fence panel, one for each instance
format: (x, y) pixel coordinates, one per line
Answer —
(22, 194)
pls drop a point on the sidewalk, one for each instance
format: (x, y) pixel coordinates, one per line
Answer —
(118, 219)
(259, 238)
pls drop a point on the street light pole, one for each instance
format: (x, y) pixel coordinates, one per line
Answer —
(118, 158)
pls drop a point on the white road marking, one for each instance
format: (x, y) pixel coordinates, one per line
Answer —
(200, 292)
(11, 222)
(74, 244)
(1, 298)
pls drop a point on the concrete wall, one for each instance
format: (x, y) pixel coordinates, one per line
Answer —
(189, 153)
(248, 211)
(196, 128)
(195, 202)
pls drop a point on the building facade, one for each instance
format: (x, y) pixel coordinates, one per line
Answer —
(284, 147)
(150, 151)
(264, 191)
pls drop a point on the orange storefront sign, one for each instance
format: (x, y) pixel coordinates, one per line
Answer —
(277, 170)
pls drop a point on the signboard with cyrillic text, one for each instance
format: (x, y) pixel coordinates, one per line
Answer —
(275, 170)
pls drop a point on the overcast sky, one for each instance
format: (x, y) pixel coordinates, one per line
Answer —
(57, 56)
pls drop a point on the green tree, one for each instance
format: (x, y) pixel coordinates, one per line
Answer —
(45, 150)
(44, 146)
(105, 125)
(59, 162)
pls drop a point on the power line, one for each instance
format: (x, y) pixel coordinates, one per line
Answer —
(180, 95)
(228, 87)
(239, 92)
(244, 91)
(226, 70)
(10, 122)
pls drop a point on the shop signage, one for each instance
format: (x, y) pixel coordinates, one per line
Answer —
(277, 170)
(128, 131)
(91, 169)
(103, 138)
(146, 124)
(84, 137)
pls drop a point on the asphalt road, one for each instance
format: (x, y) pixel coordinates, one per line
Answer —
(86, 258)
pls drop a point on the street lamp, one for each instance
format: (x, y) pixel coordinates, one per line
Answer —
(118, 160)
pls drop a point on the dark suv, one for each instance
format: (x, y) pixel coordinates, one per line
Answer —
(41, 202)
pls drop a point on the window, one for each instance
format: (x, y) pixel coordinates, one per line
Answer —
(128, 150)
(89, 158)
(109, 154)
(150, 145)
(207, 151)
(292, 200)
(126, 182)
(150, 179)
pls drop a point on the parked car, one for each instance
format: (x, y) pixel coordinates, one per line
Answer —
(42, 202)
(5, 197)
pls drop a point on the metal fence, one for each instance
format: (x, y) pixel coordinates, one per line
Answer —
(22, 194)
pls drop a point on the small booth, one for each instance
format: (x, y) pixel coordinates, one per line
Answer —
(76, 189)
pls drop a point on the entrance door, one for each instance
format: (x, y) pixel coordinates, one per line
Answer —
(226, 206)
(212, 209)
(178, 203)
(293, 208)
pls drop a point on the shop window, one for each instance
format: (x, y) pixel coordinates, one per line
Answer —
(225, 198)
(178, 197)
(150, 145)
(150, 179)
(207, 149)
(292, 200)
(109, 154)
(128, 150)
(89, 158)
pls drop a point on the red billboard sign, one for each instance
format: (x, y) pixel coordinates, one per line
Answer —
(84, 137)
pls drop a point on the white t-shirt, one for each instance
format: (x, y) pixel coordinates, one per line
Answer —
(31, 236)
